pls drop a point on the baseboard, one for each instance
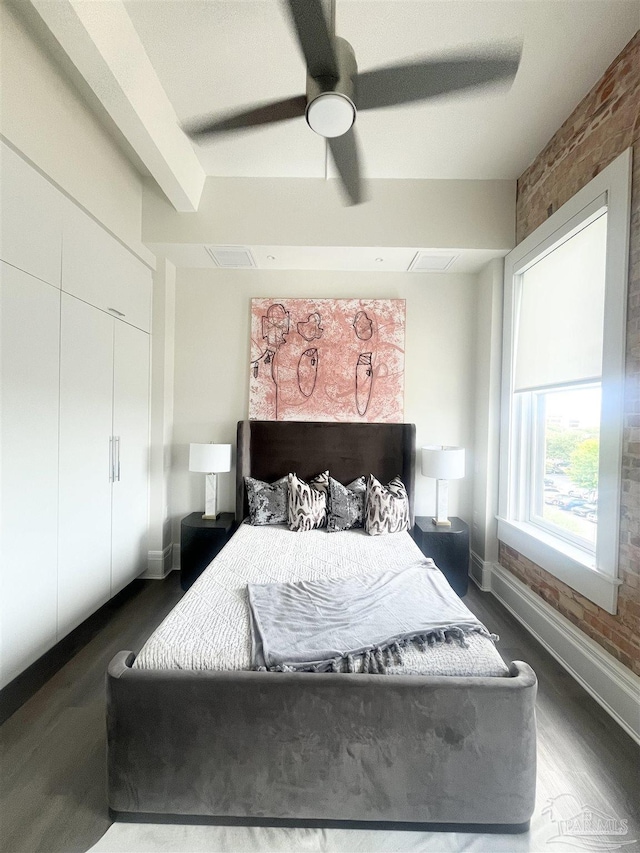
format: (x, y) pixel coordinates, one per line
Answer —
(610, 683)
(30, 680)
(480, 572)
(176, 556)
(159, 564)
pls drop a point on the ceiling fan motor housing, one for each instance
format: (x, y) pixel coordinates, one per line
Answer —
(331, 110)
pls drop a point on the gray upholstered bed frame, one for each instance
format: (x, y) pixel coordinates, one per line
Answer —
(306, 747)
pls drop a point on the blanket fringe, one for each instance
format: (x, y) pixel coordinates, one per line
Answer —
(377, 659)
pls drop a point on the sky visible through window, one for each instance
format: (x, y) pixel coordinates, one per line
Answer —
(581, 404)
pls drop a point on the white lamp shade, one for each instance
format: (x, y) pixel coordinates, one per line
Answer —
(442, 462)
(210, 458)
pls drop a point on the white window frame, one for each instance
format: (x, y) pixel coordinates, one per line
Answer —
(594, 576)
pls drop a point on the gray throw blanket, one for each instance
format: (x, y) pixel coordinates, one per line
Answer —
(324, 625)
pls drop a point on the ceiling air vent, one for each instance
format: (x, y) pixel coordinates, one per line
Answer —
(424, 262)
(231, 257)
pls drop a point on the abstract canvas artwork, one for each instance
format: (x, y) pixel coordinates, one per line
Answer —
(327, 360)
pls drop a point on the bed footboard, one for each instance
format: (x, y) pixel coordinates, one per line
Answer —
(321, 747)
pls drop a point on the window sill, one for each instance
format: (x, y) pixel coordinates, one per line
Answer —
(563, 560)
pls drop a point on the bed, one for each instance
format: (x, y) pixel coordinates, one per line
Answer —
(192, 738)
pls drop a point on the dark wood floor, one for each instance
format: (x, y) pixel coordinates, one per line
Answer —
(53, 770)
(52, 796)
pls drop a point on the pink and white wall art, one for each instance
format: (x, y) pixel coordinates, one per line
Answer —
(327, 360)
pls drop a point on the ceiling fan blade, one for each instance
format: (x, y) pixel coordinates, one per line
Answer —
(425, 79)
(344, 150)
(315, 37)
(254, 117)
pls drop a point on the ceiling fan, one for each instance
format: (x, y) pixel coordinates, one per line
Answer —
(336, 91)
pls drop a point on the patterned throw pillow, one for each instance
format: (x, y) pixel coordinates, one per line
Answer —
(308, 502)
(386, 507)
(267, 501)
(346, 504)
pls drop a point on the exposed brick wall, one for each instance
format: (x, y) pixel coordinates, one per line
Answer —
(604, 124)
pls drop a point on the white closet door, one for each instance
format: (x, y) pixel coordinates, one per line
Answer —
(31, 233)
(131, 433)
(100, 271)
(86, 392)
(30, 329)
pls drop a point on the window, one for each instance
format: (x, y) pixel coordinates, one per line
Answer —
(565, 461)
(563, 372)
(559, 319)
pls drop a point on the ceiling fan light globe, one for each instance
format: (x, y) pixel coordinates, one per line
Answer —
(331, 114)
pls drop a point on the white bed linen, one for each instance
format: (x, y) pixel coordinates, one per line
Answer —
(209, 627)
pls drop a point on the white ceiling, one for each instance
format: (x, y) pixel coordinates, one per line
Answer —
(213, 56)
(153, 65)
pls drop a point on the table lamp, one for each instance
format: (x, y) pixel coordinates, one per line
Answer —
(210, 459)
(442, 463)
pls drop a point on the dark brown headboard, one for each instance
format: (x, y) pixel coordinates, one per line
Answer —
(268, 450)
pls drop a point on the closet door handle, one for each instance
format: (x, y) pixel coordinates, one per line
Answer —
(116, 312)
(117, 443)
(111, 460)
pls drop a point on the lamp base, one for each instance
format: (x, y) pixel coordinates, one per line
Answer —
(211, 517)
(442, 504)
(211, 497)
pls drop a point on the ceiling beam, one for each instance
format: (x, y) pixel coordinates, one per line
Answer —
(309, 212)
(101, 41)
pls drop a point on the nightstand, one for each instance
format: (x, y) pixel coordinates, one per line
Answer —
(448, 547)
(200, 540)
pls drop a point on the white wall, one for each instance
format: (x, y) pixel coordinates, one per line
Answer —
(212, 363)
(45, 119)
(162, 371)
(484, 463)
